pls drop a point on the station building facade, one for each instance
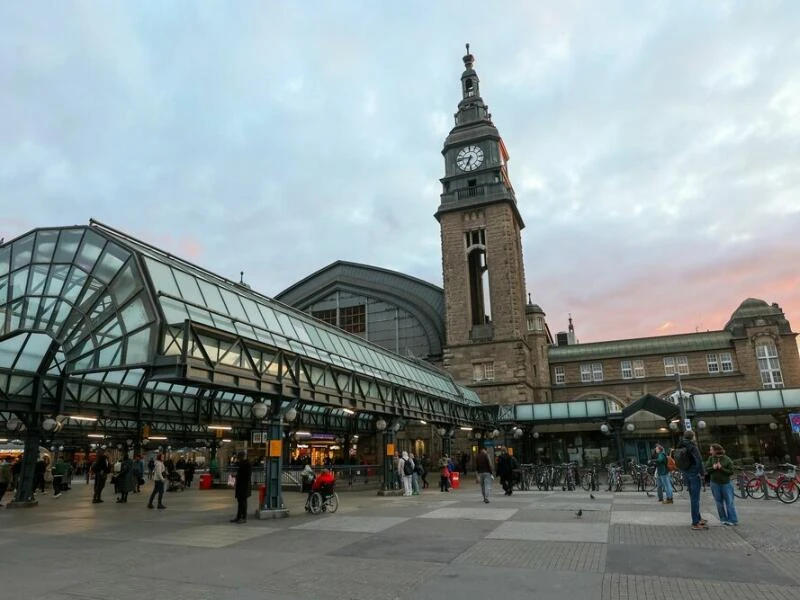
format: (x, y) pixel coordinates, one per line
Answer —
(485, 330)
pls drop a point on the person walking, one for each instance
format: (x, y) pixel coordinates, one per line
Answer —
(689, 461)
(444, 475)
(159, 476)
(101, 467)
(505, 471)
(151, 468)
(664, 478)
(483, 467)
(242, 488)
(38, 475)
(60, 477)
(188, 473)
(720, 466)
(414, 475)
(138, 473)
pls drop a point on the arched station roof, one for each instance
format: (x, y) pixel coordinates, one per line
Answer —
(95, 321)
(419, 298)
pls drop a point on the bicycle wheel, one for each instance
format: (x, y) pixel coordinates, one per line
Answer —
(677, 482)
(315, 503)
(586, 481)
(754, 488)
(740, 488)
(649, 483)
(788, 492)
(333, 503)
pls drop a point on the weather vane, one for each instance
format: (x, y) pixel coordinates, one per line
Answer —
(467, 48)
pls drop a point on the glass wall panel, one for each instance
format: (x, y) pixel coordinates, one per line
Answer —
(559, 410)
(524, 412)
(791, 398)
(541, 412)
(725, 401)
(38, 279)
(19, 282)
(161, 275)
(748, 400)
(769, 398)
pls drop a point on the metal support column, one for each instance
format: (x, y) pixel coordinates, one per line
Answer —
(24, 497)
(389, 478)
(272, 507)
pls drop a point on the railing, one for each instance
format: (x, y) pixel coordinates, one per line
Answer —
(471, 192)
(348, 477)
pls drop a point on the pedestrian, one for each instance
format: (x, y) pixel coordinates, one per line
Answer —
(188, 473)
(720, 466)
(38, 475)
(242, 488)
(422, 471)
(60, 477)
(16, 472)
(6, 478)
(444, 475)
(138, 473)
(689, 461)
(158, 483)
(101, 467)
(151, 467)
(126, 479)
(414, 475)
(505, 471)
(485, 474)
(405, 468)
(664, 478)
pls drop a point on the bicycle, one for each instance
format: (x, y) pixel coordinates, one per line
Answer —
(785, 487)
(589, 480)
(322, 501)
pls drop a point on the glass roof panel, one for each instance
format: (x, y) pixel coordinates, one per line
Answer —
(45, 246)
(188, 287)
(9, 349)
(21, 251)
(110, 262)
(212, 297)
(68, 242)
(161, 274)
(91, 247)
(5, 260)
(234, 306)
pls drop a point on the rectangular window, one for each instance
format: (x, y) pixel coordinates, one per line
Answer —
(627, 369)
(711, 361)
(726, 361)
(531, 322)
(591, 372)
(329, 316)
(483, 371)
(353, 319)
(638, 369)
(769, 365)
(476, 237)
(560, 375)
(676, 364)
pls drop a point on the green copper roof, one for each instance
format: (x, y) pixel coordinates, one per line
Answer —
(668, 344)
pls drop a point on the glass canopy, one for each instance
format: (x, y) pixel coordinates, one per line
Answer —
(95, 317)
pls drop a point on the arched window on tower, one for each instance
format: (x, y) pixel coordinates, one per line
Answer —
(479, 296)
(469, 88)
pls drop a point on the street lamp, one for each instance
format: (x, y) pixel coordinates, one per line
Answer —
(630, 427)
(259, 410)
(681, 403)
(380, 424)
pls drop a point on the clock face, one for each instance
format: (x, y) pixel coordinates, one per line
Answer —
(469, 158)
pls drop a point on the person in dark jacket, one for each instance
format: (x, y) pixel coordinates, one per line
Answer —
(126, 479)
(693, 476)
(101, 467)
(242, 487)
(483, 466)
(505, 471)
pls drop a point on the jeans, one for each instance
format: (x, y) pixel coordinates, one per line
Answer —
(158, 488)
(99, 484)
(486, 485)
(723, 496)
(414, 483)
(694, 483)
(444, 483)
(665, 486)
(407, 485)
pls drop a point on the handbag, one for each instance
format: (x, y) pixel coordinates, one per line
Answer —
(231, 481)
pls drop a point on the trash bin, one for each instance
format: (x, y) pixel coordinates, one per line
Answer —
(205, 481)
(455, 480)
(262, 493)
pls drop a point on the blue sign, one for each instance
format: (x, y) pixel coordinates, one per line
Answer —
(794, 422)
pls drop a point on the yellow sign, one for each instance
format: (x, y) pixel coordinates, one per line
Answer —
(274, 448)
(145, 431)
(510, 451)
(389, 449)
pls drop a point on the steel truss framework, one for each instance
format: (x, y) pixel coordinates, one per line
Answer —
(95, 323)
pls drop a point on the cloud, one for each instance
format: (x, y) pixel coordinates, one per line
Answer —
(653, 146)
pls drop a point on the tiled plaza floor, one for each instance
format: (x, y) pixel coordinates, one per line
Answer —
(529, 545)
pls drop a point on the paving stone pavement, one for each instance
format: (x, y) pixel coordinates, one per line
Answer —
(624, 546)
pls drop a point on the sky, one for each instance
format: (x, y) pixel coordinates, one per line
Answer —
(655, 146)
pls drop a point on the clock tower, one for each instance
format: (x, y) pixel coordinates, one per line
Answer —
(482, 266)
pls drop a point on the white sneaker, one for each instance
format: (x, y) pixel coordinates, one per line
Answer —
(57, 495)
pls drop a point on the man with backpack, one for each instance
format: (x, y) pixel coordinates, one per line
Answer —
(405, 468)
(663, 471)
(687, 458)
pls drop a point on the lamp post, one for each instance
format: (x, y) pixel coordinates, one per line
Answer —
(681, 404)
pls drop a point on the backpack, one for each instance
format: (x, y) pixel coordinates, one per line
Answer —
(683, 458)
(671, 466)
(408, 468)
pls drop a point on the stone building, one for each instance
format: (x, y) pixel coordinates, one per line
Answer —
(551, 393)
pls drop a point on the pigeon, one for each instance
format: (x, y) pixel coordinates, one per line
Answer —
(579, 514)
(592, 496)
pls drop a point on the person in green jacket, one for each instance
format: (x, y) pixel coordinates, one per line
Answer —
(664, 480)
(720, 466)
